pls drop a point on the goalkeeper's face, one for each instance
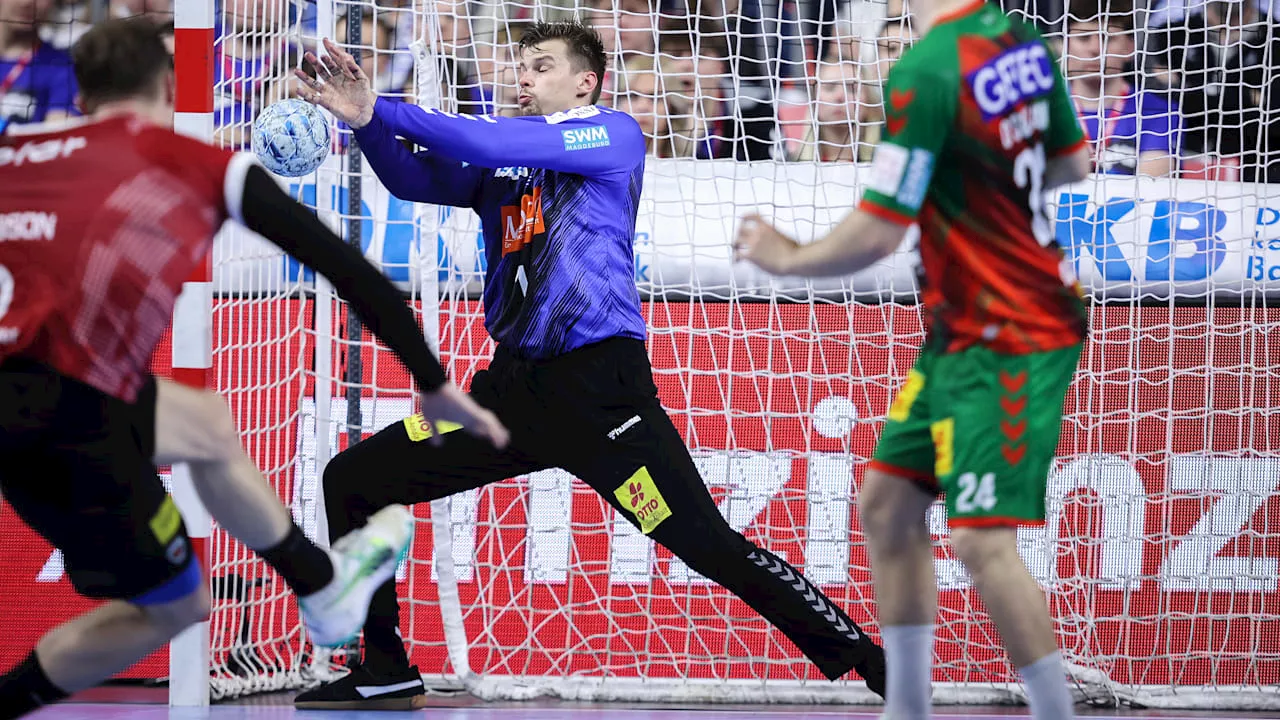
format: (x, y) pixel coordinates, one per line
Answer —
(550, 82)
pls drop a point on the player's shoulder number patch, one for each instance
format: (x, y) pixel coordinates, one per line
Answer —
(887, 168)
(902, 174)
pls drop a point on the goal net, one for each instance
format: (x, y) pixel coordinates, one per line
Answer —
(1161, 551)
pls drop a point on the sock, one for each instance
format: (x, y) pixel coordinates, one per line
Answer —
(384, 653)
(300, 562)
(26, 688)
(385, 657)
(908, 655)
(1047, 691)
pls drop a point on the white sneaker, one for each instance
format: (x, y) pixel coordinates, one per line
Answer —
(363, 560)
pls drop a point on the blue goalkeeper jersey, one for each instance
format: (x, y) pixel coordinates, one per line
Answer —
(557, 197)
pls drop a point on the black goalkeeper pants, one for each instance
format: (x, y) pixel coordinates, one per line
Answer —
(595, 413)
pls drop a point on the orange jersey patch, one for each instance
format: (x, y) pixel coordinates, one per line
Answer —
(521, 223)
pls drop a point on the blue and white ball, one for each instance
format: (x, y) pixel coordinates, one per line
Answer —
(291, 137)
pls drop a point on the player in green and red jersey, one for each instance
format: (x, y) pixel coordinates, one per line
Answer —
(979, 125)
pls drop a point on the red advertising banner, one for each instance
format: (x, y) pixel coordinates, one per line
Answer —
(1161, 554)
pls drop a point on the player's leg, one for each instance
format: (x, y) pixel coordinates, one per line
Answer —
(622, 443)
(655, 485)
(897, 490)
(1007, 419)
(100, 502)
(86, 650)
(195, 427)
(398, 465)
(892, 508)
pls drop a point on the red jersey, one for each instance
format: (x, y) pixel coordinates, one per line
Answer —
(101, 222)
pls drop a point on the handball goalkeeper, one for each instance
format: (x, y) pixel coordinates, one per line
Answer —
(557, 191)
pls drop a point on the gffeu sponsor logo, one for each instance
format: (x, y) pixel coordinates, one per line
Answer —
(1015, 76)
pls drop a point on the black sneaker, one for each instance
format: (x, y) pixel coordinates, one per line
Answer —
(362, 690)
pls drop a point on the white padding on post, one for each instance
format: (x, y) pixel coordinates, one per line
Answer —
(189, 649)
(193, 326)
(194, 125)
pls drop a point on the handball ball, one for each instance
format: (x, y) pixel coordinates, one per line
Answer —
(291, 137)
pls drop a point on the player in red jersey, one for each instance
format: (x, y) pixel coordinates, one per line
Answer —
(978, 126)
(101, 221)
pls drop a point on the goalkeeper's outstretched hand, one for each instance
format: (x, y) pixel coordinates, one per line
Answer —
(339, 86)
(451, 405)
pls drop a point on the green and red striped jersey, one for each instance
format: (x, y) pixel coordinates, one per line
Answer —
(973, 112)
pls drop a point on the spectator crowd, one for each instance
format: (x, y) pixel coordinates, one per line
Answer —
(1183, 88)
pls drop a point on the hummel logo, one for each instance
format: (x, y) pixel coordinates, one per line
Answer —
(900, 99)
(368, 691)
(614, 433)
(898, 102)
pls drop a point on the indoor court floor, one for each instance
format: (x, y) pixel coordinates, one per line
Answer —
(149, 704)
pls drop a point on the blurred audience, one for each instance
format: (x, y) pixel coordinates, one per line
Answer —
(896, 35)
(70, 20)
(843, 115)
(743, 79)
(455, 32)
(378, 48)
(1047, 15)
(627, 27)
(640, 95)
(694, 99)
(1222, 67)
(251, 61)
(1167, 12)
(1132, 129)
(842, 126)
(37, 82)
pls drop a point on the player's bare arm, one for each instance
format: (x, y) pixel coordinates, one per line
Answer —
(857, 242)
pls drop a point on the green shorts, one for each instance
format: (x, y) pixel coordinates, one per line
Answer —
(981, 427)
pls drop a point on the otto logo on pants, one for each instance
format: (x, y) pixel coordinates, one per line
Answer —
(640, 496)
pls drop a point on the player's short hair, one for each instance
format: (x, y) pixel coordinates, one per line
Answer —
(1116, 16)
(121, 58)
(586, 49)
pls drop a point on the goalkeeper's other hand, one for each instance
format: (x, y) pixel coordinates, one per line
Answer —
(338, 85)
(449, 404)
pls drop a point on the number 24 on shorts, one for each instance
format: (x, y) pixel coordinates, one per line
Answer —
(976, 492)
